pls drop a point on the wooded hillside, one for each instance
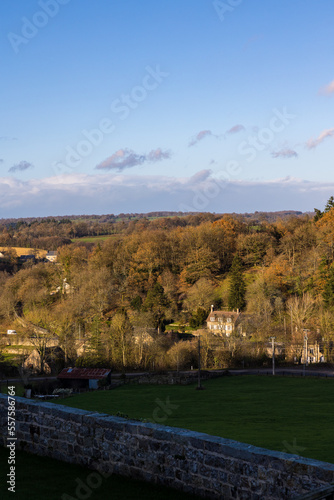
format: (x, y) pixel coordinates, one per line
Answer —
(153, 272)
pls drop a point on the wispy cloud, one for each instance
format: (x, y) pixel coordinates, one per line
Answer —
(208, 133)
(327, 89)
(199, 177)
(199, 137)
(158, 155)
(1, 160)
(122, 159)
(7, 138)
(284, 153)
(20, 167)
(126, 158)
(235, 129)
(313, 143)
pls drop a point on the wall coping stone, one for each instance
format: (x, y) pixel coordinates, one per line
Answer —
(231, 446)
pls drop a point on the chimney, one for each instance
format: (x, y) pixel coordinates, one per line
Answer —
(212, 308)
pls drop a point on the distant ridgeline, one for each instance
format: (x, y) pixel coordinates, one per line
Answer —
(50, 233)
(256, 216)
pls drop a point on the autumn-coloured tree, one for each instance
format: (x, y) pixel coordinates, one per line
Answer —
(157, 269)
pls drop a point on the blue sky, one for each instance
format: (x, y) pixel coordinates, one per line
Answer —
(192, 105)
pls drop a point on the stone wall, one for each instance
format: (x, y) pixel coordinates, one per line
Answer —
(171, 377)
(190, 461)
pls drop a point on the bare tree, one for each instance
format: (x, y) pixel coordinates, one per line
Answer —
(302, 310)
(121, 335)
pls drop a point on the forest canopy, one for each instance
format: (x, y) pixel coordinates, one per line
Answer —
(120, 278)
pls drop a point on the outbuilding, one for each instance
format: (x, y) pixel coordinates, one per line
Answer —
(89, 378)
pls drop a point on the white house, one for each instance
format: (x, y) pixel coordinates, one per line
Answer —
(224, 322)
(51, 256)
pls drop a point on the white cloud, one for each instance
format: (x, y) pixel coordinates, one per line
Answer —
(158, 155)
(235, 129)
(313, 143)
(126, 158)
(284, 153)
(114, 193)
(199, 137)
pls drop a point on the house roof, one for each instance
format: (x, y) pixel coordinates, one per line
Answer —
(52, 253)
(223, 314)
(84, 373)
(52, 355)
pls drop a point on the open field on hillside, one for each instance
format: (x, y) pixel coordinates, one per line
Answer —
(26, 251)
(177, 327)
(95, 239)
(41, 478)
(295, 415)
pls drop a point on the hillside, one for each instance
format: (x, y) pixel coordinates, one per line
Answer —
(120, 292)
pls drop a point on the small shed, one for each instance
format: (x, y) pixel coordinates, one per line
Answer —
(84, 377)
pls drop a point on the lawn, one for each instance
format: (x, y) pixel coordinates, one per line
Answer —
(94, 239)
(177, 327)
(41, 478)
(19, 388)
(289, 414)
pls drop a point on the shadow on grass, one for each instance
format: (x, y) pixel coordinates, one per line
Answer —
(41, 478)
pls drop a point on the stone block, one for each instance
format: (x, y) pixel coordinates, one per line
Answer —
(110, 435)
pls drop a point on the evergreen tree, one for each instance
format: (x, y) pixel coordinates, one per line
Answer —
(328, 207)
(198, 318)
(328, 293)
(237, 288)
(156, 302)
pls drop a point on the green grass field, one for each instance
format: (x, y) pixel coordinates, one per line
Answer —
(92, 239)
(289, 414)
(176, 327)
(19, 388)
(41, 478)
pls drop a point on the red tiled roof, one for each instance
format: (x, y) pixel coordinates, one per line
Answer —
(84, 373)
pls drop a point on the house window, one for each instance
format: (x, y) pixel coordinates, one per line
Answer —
(311, 351)
(212, 318)
(229, 320)
(229, 327)
(215, 327)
